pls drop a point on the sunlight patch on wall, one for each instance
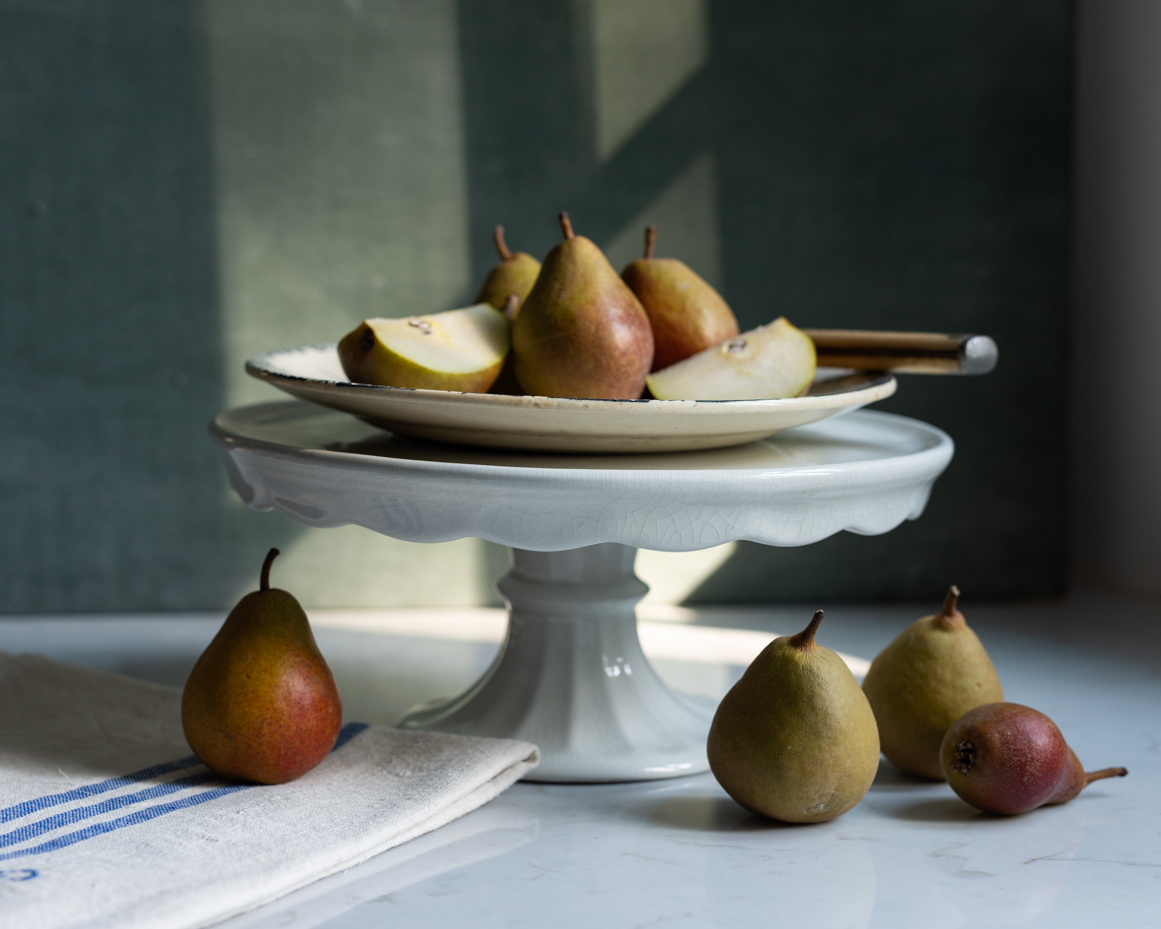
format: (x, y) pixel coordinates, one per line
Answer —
(643, 51)
(686, 217)
(341, 193)
(673, 576)
(340, 169)
(354, 568)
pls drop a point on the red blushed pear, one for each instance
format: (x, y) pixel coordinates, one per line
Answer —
(687, 315)
(1007, 758)
(580, 332)
(261, 704)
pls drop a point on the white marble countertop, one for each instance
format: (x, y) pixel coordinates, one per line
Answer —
(680, 852)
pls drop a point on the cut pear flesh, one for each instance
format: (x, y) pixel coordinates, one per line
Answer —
(768, 363)
(457, 350)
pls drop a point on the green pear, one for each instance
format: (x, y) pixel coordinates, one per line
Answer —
(768, 363)
(932, 673)
(687, 315)
(581, 332)
(515, 274)
(795, 738)
(457, 350)
(261, 704)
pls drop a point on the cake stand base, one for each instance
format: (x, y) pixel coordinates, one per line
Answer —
(571, 677)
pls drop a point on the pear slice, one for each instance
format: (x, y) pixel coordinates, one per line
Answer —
(768, 363)
(458, 350)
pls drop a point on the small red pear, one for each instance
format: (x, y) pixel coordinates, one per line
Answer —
(1007, 758)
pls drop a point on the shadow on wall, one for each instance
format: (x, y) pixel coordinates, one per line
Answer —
(185, 184)
(110, 362)
(882, 166)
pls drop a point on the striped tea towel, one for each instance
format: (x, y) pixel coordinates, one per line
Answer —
(107, 820)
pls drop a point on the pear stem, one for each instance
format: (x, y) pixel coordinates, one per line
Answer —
(566, 225)
(650, 240)
(950, 601)
(1090, 776)
(511, 305)
(950, 616)
(264, 581)
(501, 245)
(805, 639)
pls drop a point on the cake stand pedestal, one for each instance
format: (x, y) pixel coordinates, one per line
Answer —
(571, 676)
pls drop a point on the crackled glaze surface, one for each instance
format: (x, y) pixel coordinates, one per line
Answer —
(865, 472)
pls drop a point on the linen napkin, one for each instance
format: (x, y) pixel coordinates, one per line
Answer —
(107, 819)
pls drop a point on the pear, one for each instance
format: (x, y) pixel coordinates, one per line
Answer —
(581, 332)
(1007, 758)
(457, 350)
(933, 672)
(515, 274)
(795, 738)
(506, 382)
(686, 313)
(261, 704)
(768, 363)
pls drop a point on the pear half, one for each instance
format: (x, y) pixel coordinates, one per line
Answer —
(458, 350)
(768, 363)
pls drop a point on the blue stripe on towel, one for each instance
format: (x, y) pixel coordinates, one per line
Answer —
(348, 732)
(33, 830)
(75, 815)
(90, 790)
(133, 819)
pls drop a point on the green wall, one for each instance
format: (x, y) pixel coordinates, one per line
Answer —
(185, 184)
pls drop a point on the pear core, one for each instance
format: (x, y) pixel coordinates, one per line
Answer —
(457, 350)
(768, 363)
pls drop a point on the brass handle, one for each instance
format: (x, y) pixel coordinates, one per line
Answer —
(905, 352)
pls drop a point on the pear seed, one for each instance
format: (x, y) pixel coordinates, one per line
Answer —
(735, 345)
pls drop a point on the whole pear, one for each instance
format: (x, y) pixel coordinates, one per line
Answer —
(261, 704)
(515, 274)
(932, 673)
(795, 739)
(1007, 758)
(581, 332)
(687, 315)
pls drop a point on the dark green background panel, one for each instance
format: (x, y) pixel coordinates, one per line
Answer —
(883, 165)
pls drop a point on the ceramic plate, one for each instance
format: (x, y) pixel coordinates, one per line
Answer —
(556, 424)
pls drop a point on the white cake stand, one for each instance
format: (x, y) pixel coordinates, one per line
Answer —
(571, 676)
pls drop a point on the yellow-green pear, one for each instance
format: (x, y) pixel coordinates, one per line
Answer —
(768, 363)
(795, 738)
(457, 350)
(932, 673)
(515, 274)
